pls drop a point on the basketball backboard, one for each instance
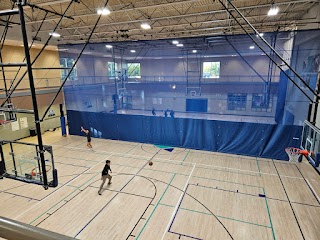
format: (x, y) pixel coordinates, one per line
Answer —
(21, 161)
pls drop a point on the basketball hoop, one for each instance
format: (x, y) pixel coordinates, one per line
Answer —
(35, 173)
(5, 124)
(295, 154)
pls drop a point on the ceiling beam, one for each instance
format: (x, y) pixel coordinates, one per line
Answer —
(271, 27)
(180, 2)
(181, 24)
(156, 19)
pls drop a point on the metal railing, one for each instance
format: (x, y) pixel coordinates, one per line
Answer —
(11, 229)
(81, 80)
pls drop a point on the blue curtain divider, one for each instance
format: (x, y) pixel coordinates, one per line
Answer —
(249, 139)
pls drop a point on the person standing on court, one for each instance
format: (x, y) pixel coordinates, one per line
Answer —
(87, 132)
(153, 111)
(105, 175)
(172, 113)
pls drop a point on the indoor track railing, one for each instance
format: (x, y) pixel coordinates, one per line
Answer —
(154, 79)
(14, 230)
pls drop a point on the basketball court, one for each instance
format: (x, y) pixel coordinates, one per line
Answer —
(186, 194)
(207, 110)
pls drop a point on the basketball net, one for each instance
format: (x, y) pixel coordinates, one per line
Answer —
(295, 154)
(5, 124)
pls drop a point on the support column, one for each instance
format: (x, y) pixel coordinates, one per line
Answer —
(20, 4)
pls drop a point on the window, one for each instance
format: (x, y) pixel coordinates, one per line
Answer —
(260, 103)
(112, 69)
(211, 70)
(68, 63)
(134, 70)
(237, 101)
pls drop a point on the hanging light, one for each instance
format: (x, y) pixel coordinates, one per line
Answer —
(180, 45)
(194, 51)
(55, 34)
(251, 47)
(145, 26)
(109, 46)
(273, 10)
(175, 42)
(103, 11)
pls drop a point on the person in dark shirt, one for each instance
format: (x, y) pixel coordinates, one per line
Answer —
(153, 111)
(166, 113)
(87, 132)
(105, 175)
(172, 113)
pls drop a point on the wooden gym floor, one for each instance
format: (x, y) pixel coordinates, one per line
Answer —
(186, 194)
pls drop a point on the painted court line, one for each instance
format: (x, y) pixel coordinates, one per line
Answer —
(271, 225)
(56, 191)
(313, 191)
(240, 170)
(178, 203)
(186, 162)
(136, 174)
(156, 206)
(232, 219)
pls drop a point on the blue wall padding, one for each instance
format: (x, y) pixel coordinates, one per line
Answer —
(197, 105)
(63, 126)
(281, 101)
(250, 139)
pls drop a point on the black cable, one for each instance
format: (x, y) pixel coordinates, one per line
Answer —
(74, 64)
(284, 72)
(35, 59)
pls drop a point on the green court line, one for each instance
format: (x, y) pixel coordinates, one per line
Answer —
(72, 192)
(213, 179)
(258, 166)
(72, 186)
(82, 159)
(273, 234)
(218, 180)
(233, 219)
(185, 157)
(155, 207)
(61, 199)
(125, 155)
(151, 170)
(230, 171)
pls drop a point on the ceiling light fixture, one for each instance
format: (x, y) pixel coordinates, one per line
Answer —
(273, 11)
(194, 51)
(103, 11)
(260, 34)
(175, 42)
(145, 26)
(109, 46)
(133, 51)
(179, 45)
(55, 34)
(251, 47)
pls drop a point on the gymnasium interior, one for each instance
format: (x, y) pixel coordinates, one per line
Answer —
(207, 110)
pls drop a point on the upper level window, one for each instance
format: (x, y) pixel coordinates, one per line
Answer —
(134, 70)
(112, 69)
(211, 70)
(67, 63)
